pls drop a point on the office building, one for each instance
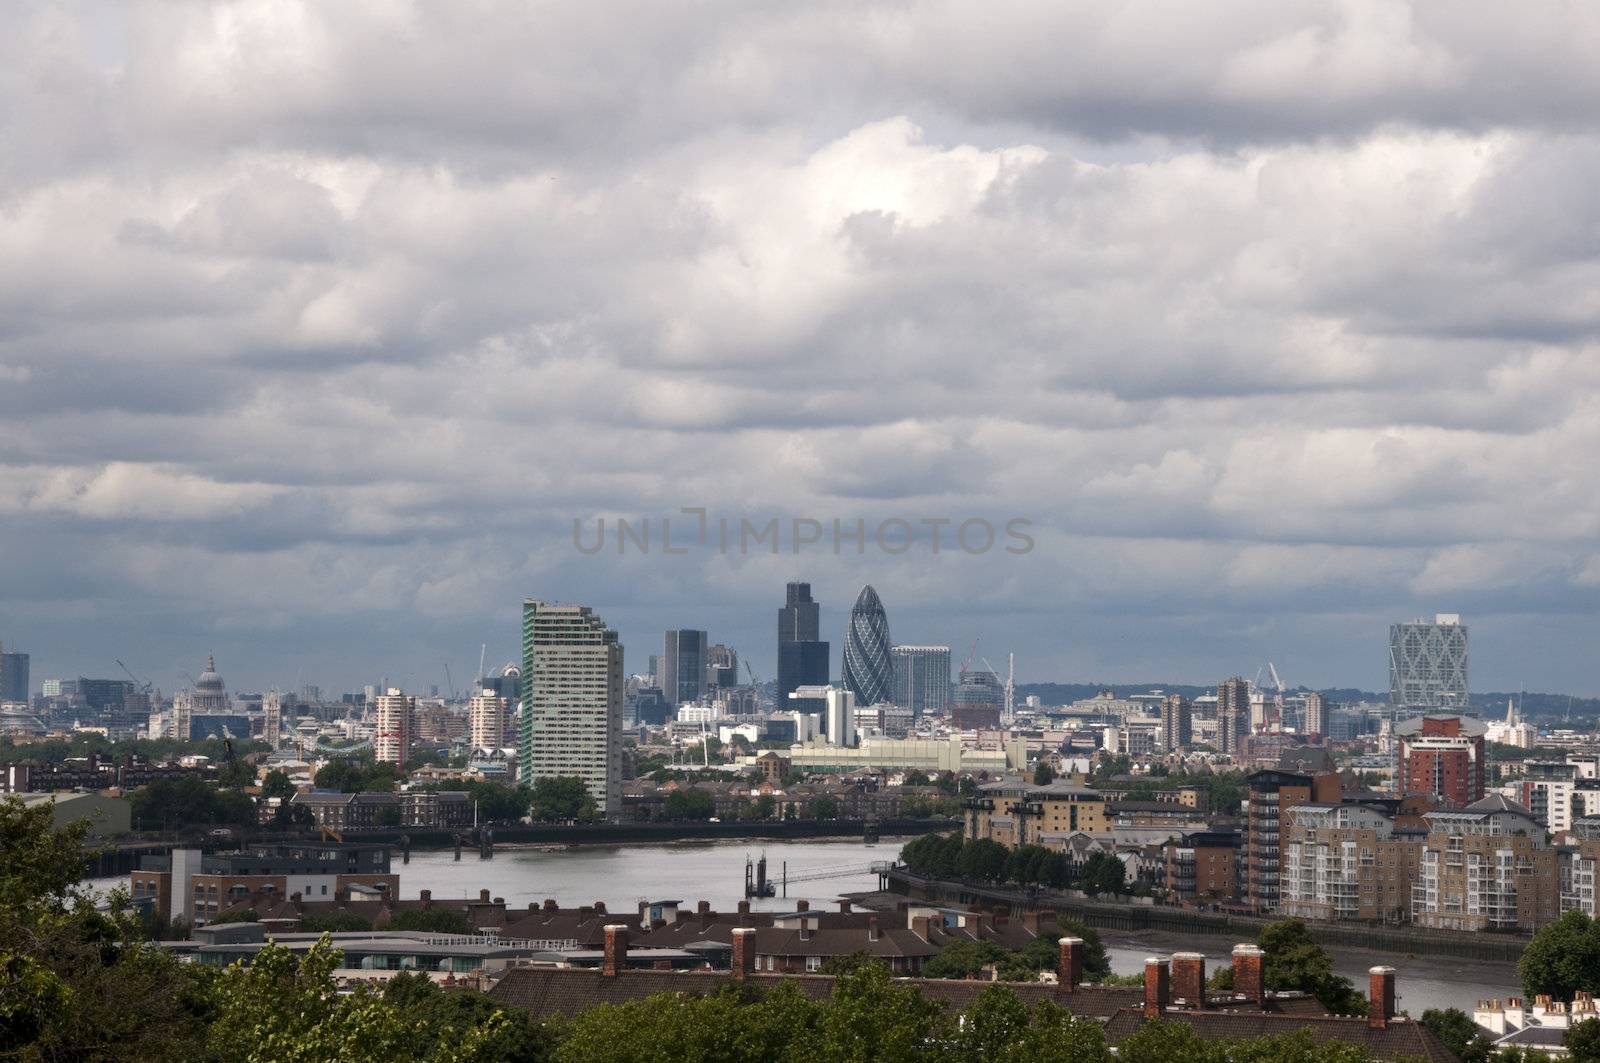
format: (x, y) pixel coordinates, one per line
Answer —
(683, 666)
(722, 667)
(839, 712)
(395, 726)
(803, 659)
(868, 671)
(1443, 755)
(572, 700)
(1428, 665)
(922, 679)
(1176, 725)
(979, 698)
(13, 676)
(1233, 714)
(487, 716)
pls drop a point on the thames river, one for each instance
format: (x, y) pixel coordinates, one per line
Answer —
(819, 872)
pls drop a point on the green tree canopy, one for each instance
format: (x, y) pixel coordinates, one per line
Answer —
(277, 784)
(1459, 1033)
(1562, 958)
(560, 797)
(688, 803)
(1294, 961)
(1103, 872)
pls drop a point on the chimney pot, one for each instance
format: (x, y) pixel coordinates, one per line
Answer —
(1380, 997)
(600, 907)
(704, 907)
(1248, 975)
(616, 954)
(550, 904)
(1069, 963)
(744, 951)
(1157, 987)
(1189, 979)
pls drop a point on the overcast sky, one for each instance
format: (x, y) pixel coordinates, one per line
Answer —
(320, 324)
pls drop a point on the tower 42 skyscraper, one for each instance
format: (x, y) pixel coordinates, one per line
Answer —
(571, 700)
(868, 670)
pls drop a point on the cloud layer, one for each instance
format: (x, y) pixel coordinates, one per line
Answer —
(319, 325)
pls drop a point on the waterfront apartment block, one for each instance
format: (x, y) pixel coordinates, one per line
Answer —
(571, 701)
(1272, 794)
(1016, 812)
(1347, 862)
(1486, 867)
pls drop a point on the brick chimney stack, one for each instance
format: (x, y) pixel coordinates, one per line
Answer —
(844, 907)
(744, 951)
(922, 926)
(1157, 987)
(1069, 963)
(1189, 979)
(1248, 979)
(802, 906)
(616, 949)
(1380, 997)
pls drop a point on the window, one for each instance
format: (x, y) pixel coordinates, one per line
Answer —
(813, 963)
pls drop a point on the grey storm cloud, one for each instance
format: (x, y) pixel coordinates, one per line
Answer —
(320, 324)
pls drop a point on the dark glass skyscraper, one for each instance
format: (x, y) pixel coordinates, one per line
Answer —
(14, 684)
(683, 666)
(802, 657)
(868, 670)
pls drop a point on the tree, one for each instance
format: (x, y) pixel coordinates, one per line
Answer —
(68, 971)
(277, 784)
(825, 808)
(763, 807)
(873, 1016)
(1102, 873)
(1582, 1041)
(1294, 961)
(688, 803)
(288, 1009)
(1043, 773)
(449, 1014)
(1459, 1033)
(559, 797)
(172, 804)
(916, 777)
(1562, 958)
(982, 860)
(998, 1027)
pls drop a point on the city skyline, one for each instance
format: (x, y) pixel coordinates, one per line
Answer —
(1273, 323)
(749, 646)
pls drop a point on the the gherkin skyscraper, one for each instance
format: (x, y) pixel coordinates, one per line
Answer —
(868, 669)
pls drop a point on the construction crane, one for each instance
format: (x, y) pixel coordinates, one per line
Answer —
(450, 681)
(755, 682)
(144, 685)
(966, 665)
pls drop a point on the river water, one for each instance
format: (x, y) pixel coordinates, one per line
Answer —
(820, 871)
